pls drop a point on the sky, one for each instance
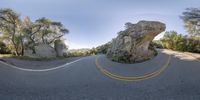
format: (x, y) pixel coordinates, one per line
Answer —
(95, 22)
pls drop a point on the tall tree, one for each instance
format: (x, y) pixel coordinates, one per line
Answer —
(173, 40)
(30, 29)
(50, 30)
(191, 19)
(27, 34)
(9, 25)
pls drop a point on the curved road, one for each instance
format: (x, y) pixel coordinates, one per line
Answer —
(82, 80)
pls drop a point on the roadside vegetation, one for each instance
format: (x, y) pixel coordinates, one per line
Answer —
(80, 52)
(178, 42)
(191, 42)
(102, 49)
(4, 49)
(18, 34)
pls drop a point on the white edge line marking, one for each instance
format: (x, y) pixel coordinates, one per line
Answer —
(41, 70)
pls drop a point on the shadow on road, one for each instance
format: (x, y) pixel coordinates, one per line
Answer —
(182, 55)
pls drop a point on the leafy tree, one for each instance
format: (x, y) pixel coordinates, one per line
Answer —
(128, 25)
(10, 26)
(30, 29)
(157, 44)
(50, 30)
(191, 19)
(79, 52)
(173, 40)
(104, 48)
(192, 44)
(20, 35)
(42, 30)
(3, 48)
(93, 51)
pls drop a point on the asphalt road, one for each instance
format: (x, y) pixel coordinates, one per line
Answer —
(82, 80)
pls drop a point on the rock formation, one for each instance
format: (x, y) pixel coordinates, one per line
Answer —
(133, 44)
(42, 50)
(46, 50)
(60, 47)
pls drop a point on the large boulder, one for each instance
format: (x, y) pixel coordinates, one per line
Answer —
(60, 47)
(133, 44)
(42, 51)
(45, 50)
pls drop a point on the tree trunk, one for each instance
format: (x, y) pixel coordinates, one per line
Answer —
(33, 49)
(13, 41)
(16, 48)
(43, 38)
(22, 46)
(33, 46)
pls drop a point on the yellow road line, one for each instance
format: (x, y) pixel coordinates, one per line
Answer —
(132, 78)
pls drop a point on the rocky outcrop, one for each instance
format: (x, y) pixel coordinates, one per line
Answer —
(42, 51)
(133, 44)
(47, 51)
(60, 47)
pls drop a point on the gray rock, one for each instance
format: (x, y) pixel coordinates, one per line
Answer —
(42, 50)
(29, 53)
(133, 44)
(45, 50)
(60, 47)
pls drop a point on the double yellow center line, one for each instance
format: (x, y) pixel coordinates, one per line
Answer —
(132, 78)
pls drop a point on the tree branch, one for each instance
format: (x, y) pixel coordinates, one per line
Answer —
(55, 39)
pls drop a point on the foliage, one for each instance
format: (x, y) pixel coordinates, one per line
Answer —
(191, 19)
(24, 34)
(173, 40)
(93, 51)
(80, 52)
(104, 48)
(10, 27)
(50, 30)
(3, 48)
(128, 28)
(157, 44)
(193, 45)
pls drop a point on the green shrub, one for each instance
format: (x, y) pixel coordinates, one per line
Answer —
(174, 41)
(157, 44)
(4, 49)
(80, 52)
(103, 48)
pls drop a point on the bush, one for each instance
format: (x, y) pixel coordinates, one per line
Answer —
(4, 49)
(80, 52)
(103, 48)
(174, 41)
(193, 45)
(157, 44)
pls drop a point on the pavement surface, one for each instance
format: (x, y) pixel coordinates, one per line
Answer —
(82, 80)
(34, 64)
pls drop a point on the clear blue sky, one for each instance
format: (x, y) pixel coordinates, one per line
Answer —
(95, 22)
